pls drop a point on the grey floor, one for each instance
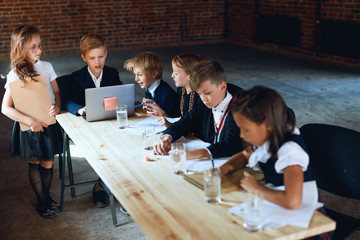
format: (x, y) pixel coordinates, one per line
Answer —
(316, 92)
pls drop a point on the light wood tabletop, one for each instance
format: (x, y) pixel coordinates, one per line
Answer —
(163, 204)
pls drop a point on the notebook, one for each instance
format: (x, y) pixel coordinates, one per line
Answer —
(94, 100)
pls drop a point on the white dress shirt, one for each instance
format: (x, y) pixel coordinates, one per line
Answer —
(97, 81)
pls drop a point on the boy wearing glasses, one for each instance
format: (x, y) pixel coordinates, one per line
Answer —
(210, 121)
(148, 68)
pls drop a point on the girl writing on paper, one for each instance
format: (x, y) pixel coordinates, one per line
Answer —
(182, 66)
(39, 144)
(272, 144)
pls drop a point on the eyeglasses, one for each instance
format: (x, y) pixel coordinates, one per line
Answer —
(33, 49)
(183, 63)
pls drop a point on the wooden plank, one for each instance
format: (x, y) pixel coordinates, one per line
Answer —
(164, 205)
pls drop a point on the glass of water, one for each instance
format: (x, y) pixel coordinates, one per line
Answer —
(121, 116)
(212, 185)
(252, 211)
(178, 157)
(148, 138)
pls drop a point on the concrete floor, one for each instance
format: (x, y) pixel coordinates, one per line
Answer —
(316, 92)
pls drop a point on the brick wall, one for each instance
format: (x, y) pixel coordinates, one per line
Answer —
(129, 24)
(124, 23)
(242, 15)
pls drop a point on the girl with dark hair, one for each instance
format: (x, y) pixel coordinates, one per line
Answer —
(272, 144)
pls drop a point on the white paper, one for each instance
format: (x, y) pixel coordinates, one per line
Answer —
(198, 165)
(194, 165)
(149, 122)
(192, 144)
(274, 216)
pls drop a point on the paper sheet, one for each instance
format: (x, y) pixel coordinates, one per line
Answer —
(198, 165)
(274, 216)
(149, 122)
(195, 165)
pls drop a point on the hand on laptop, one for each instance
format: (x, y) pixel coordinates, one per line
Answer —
(82, 111)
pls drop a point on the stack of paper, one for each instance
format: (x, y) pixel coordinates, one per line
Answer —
(150, 122)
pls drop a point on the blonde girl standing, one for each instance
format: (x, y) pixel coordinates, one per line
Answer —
(38, 145)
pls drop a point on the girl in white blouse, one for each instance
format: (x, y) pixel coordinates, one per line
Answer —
(272, 144)
(39, 144)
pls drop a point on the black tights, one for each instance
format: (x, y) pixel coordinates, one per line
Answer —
(40, 179)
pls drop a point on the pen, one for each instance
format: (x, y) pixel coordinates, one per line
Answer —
(142, 104)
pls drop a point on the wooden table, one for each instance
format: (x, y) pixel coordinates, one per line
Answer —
(164, 205)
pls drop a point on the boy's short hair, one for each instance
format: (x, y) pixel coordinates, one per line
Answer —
(207, 70)
(91, 41)
(148, 61)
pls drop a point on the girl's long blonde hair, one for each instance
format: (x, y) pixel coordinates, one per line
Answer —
(19, 47)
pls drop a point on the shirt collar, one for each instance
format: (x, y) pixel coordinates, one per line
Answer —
(262, 154)
(221, 107)
(97, 81)
(153, 87)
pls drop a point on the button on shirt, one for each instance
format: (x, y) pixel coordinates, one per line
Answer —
(97, 81)
(219, 110)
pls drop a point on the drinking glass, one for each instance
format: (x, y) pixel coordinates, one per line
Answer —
(178, 157)
(252, 211)
(147, 135)
(121, 116)
(212, 185)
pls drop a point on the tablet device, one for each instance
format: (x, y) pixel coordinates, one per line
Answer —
(95, 104)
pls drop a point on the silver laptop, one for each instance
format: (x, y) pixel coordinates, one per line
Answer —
(94, 100)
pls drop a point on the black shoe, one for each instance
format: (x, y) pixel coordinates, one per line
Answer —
(123, 210)
(53, 205)
(99, 198)
(43, 209)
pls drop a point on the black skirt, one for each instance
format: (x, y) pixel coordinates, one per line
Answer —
(42, 145)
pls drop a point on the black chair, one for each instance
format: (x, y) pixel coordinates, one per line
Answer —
(335, 160)
(64, 83)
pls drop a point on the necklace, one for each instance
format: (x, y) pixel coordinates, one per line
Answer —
(192, 95)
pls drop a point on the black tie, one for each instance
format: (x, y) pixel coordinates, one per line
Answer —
(148, 94)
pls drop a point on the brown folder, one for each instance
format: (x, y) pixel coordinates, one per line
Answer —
(229, 183)
(32, 98)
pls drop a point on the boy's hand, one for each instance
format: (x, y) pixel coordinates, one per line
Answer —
(163, 122)
(82, 111)
(164, 147)
(145, 106)
(154, 109)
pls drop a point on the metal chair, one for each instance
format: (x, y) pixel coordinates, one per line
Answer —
(335, 160)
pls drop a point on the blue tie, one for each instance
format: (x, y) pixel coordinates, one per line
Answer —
(148, 94)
